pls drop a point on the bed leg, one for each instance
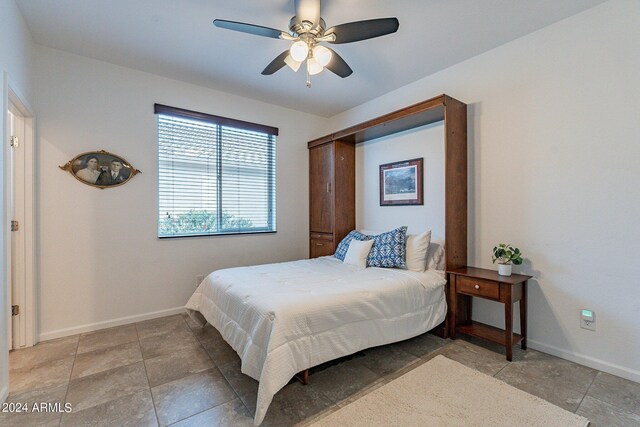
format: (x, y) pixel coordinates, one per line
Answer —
(303, 377)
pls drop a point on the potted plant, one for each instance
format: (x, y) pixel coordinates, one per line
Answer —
(506, 255)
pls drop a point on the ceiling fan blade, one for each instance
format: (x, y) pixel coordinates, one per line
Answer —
(338, 66)
(276, 64)
(308, 10)
(248, 28)
(363, 30)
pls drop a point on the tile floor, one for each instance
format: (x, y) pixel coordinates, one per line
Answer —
(168, 371)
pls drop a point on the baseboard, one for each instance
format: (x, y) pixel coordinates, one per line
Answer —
(591, 362)
(4, 393)
(108, 324)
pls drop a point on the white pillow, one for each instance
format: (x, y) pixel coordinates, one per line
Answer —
(435, 255)
(358, 252)
(371, 232)
(431, 258)
(417, 245)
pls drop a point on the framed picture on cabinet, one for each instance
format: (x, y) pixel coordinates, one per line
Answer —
(401, 183)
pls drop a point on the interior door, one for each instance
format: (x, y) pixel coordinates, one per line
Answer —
(321, 189)
(16, 180)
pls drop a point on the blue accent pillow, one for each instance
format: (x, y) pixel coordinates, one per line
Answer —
(389, 249)
(343, 247)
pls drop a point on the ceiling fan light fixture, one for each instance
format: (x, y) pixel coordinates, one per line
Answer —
(322, 55)
(299, 51)
(292, 63)
(314, 67)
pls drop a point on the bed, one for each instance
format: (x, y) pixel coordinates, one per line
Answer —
(287, 317)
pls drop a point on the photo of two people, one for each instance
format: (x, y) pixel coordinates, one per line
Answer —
(101, 169)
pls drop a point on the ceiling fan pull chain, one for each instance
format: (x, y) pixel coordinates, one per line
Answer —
(308, 75)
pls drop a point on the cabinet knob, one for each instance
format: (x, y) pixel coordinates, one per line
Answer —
(477, 286)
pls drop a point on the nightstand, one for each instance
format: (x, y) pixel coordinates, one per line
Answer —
(468, 282)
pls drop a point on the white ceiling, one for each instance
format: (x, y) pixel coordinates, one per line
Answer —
(175, 38)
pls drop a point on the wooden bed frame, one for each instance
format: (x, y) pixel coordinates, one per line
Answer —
(442, 108)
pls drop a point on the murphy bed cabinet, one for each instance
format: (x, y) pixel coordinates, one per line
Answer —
(332, 175)
(332, 201)
(332, 180)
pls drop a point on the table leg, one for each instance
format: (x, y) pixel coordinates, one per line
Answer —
(453, 309)
(508, 323)
(523, 316)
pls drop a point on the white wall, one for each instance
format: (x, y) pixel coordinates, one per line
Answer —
(15, 63)
(16, 47)
(426, 142)
(101, 262)
(553, 168)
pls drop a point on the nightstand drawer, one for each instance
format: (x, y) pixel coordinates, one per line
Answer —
(478, 287)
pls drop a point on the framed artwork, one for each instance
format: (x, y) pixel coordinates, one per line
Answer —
(401, 183)
(100, 169)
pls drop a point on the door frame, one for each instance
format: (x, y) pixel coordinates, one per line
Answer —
(12, 95)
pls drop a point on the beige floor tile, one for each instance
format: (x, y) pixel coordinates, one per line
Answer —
(473, 356)
(43, 352)
(53, 395)
(168, 343)
(106, 338)
(190, 322)
(422, 344)
(105, 386)
(295, 403)
(230, 414)
(552, 368)
(30, 420)
(105, 359)
(170, 367)
(221, 353)
(161, 326)
(45, 375)
(245, 387)
(135, 410)
(188, 388)
(555, 380)
(207, 334)
(602, 414)
(341, 381)
(617, 391)
(190, 395)
(387, 359)
(517, 352)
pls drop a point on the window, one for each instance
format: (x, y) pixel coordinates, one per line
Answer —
(215, 175)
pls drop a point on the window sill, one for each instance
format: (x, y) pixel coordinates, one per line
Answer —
(235, 233)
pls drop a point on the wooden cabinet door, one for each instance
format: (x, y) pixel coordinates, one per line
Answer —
(319, 247)
(321, 188)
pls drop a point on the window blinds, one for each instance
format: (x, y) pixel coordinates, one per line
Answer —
(214, 178)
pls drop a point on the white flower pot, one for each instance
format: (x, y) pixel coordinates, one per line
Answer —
(504, 269)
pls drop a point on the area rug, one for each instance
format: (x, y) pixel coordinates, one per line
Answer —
(442, 392)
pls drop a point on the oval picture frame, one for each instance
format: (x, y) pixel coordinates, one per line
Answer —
(100, 169)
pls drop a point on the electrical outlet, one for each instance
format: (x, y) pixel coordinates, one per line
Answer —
(199, 279)
(588, 319)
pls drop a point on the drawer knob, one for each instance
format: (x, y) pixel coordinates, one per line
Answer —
(319, 244)
(477, 286)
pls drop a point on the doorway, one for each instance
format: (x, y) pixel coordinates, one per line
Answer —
(18, 202)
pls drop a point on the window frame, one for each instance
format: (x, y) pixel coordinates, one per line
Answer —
(229, 122)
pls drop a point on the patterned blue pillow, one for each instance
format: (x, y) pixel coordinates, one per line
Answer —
(343, 247)
(389, 249)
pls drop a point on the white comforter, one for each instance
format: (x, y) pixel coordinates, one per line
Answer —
(284, 318)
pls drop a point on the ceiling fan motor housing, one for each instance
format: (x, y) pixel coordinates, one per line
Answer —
(298, 27)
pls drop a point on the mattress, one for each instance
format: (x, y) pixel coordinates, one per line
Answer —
(287, 317)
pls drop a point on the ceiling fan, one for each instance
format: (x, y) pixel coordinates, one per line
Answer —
(307, 30)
